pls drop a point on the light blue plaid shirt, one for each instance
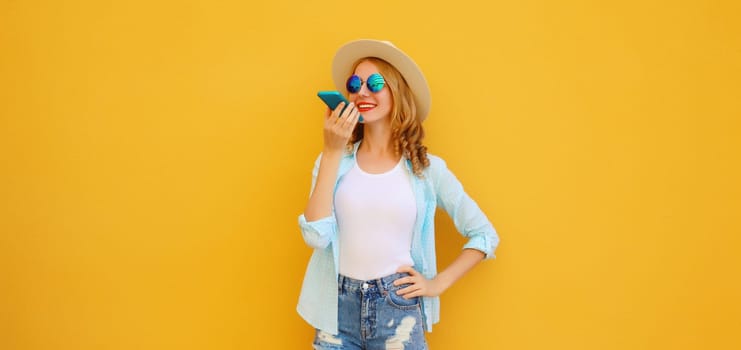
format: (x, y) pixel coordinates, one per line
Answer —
(318, 300)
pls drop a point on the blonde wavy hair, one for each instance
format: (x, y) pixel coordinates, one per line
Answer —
(406, 129)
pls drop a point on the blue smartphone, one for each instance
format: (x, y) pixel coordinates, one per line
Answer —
(333, 98)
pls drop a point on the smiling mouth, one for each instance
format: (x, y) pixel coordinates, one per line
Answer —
(365, 107)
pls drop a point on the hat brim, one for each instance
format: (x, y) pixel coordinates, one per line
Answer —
(349, 53)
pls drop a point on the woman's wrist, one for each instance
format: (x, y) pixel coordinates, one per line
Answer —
(332, 152)
(441, 284)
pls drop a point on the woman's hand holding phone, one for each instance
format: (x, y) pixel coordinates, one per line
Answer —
(339, 125)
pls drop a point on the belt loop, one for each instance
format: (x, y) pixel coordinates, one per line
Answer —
(381, 285)
(393, 278)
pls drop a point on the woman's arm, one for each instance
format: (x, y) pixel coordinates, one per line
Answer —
(321, 201)
(337, 131)
(421, 286)
(469, 220)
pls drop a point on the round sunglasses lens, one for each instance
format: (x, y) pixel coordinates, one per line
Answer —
(353, 84)
(375, 82)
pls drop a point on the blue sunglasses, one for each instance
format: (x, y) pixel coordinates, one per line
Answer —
(375, 83)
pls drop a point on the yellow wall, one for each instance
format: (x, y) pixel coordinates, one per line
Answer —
(155, 156)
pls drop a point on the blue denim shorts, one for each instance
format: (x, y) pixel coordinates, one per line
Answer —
(372, 316)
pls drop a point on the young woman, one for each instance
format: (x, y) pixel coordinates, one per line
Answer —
(372, 281)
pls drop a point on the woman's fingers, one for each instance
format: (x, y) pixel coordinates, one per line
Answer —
(334, 116)
(409, 279)
(352, 119)
(347, 120)
(414, 294)
(416, 284)
(338, 109)
(408, 269)
(347, 112)
(409, 289)
(339, 125)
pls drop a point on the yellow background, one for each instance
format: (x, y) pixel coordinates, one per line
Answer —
(155, 157)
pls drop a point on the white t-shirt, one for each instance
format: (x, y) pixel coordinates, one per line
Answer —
(376, 215)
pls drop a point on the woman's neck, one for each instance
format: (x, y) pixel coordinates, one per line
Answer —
(377, 140)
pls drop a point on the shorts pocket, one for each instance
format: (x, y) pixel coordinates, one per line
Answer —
(398, 301)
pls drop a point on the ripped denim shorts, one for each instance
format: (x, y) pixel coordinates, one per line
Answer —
(372, 316)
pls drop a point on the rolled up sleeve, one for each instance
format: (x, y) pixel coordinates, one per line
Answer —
(318, 234)
(467, 217)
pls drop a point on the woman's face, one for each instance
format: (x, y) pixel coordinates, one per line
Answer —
(372, 106)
